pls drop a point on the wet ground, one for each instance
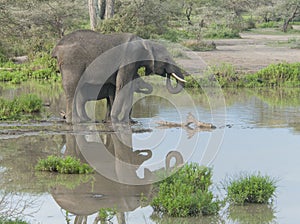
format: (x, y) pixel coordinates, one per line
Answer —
(257, 130)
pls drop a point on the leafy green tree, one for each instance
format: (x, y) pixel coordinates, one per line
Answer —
(33, 25)
(287, 11)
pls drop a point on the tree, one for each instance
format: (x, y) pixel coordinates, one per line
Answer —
(109, 9)
(288, 9)
(93, 13)
(100, 10)
(33, 25)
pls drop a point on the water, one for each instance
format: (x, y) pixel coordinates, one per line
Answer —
(257, 130)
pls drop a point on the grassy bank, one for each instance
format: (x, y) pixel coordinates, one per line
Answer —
(275, 75)
(42, 67)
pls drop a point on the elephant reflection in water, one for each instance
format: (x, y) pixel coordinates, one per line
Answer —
(118, 185)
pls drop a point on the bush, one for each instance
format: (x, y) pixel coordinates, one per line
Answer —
(196, 45)
(20, 107)
(250, 188)
(186, 193)
(10, 221)
(175, 35)
(145, 19)
(226, 75)
(276, 75)
(192, 82)
(215, 31)
(68, 165)
(42, 67)
(271, 24)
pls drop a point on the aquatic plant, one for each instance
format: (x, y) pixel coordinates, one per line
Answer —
(10, 221)
(186, 193)
(250, 188)
(67, 165)
(21, 107)
(106, 214)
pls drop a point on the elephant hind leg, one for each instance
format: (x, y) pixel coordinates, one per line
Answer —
(80, 101)
(109, 103)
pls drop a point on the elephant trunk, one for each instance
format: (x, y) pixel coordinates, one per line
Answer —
(179, 83)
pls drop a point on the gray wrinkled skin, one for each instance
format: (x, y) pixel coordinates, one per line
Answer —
(111, 62)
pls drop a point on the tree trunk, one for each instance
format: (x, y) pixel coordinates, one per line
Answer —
(93, 14)
(109, 10)
(288, 20)
(101, 8)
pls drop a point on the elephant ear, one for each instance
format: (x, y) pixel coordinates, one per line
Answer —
(69, 53)
(150, 62)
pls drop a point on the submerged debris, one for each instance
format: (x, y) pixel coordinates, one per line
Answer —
(190, 120)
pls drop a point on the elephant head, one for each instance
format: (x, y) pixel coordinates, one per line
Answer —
(162, 64)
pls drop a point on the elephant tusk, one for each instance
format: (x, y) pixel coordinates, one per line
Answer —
(178, 78)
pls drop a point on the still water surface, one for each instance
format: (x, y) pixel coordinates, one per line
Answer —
(256, 131)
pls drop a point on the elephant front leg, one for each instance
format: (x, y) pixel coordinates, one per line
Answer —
(69, 109)
(122, 104)
(80, 113)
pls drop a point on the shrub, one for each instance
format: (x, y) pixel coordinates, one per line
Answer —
(10, 221)
(226, 75)
(196, 45)
(42, 67)
(270, 24)
(20, 107)
(68, 165)
(106, 214)
(175, 35)
(216, 31)
(186, 193)
(250, 188)
(275, 75)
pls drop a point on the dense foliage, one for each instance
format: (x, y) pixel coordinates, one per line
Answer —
(186, 193)
(41, 67)
(250, 188)
(21, 107)
(68, 165)
(33, 26)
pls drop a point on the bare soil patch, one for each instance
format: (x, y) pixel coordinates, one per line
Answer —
(248, 54)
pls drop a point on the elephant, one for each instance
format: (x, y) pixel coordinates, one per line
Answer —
(87, 58)
(108, 92)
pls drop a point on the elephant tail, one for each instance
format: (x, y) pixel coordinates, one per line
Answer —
(54, 53)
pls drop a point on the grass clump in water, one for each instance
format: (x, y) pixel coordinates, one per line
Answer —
(10, 221)
(186, 193)
(68, 165)
(250, 188)
(20, 108)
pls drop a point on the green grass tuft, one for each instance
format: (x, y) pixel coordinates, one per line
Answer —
(186, 193)
(20, 108)
(250, 188)
(68, 165)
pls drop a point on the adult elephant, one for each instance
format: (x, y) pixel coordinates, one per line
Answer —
(114, 59)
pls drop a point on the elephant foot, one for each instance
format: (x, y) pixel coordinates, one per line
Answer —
(63, 115)
(133, 121)
(105, 121)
